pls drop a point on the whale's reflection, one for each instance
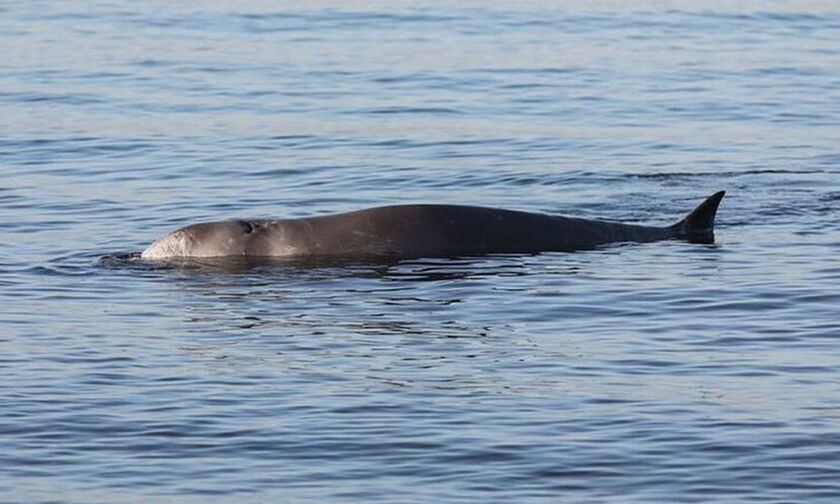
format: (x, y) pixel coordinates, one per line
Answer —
(326, 267)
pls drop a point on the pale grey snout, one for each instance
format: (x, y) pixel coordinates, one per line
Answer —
(211, 239)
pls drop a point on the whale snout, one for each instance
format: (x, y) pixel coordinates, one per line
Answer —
(209, 239)
(175, 244)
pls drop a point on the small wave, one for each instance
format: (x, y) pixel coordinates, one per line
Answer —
(408, 110)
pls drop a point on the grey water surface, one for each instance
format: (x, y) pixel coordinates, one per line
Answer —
(662, 372)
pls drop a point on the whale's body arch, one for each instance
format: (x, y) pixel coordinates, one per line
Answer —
(410, 231)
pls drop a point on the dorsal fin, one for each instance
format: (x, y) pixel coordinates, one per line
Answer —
(699, 225)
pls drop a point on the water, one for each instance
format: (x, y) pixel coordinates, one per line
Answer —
(663, 372)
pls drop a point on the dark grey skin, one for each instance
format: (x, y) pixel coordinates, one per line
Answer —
(413, 231)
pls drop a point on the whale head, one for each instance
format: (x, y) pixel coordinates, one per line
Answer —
(209, 239)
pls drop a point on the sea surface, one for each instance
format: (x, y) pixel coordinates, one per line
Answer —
(662, 372)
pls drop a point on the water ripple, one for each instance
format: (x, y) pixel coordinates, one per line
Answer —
(663, 372)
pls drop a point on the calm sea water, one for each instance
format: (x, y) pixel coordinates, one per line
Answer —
(664, 372)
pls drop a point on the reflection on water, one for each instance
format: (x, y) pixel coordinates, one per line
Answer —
(327, 267)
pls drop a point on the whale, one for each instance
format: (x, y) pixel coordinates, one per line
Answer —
(420, 231)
